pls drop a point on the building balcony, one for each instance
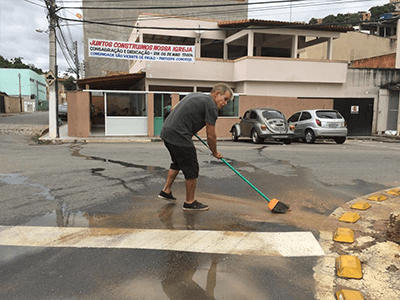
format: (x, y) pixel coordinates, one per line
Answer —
(246, 69)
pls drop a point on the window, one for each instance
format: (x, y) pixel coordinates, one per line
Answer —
(272, 114)
(126, 105)
(294, 118)
(328, 114)
(231, 109)
(253, 115)
(305, 116)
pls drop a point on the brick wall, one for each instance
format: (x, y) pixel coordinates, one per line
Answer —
(383, 61)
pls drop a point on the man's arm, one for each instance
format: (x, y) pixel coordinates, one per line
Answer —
(212, 140)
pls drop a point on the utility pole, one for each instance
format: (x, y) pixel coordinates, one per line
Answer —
(20, 97)
(76, 59)
(53, 97)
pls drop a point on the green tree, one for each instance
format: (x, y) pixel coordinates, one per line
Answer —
(16, 63)
(340, 18)
(331, 19)
(377, 11)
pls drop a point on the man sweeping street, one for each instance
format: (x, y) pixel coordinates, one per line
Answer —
(189, 116)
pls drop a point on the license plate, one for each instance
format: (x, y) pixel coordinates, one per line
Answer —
(333, 125)
(280, 136)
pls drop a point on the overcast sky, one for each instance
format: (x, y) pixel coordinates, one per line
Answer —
(19, 20)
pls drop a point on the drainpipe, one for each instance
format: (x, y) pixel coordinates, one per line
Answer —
(397, 66)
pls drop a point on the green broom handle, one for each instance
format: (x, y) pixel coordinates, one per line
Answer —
(237, 172)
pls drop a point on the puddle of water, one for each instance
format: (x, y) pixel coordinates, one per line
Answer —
(17, 179)
(152, 169)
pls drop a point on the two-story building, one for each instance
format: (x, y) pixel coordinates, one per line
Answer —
(259, 59)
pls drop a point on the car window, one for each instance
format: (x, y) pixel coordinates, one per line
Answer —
(294, 117)
(328, 114)
(305, 116)
(253, 115)
(246, 115)
(272, 114)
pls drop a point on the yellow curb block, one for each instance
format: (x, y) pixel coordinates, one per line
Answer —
(349, 217)
(348, 266)
(360, 205)
(377, 197)
(349, 295)
(395, 192)
(343, 235)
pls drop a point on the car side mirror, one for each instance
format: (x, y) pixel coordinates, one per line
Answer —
(241, 118)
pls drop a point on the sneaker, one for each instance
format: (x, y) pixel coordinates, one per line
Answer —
(164, 195)
(194, 206)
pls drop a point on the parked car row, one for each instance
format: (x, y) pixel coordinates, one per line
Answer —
(261, 124)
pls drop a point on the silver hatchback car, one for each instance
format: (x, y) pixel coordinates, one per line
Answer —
(319, 123)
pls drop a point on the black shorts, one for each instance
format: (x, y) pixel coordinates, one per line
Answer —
(185, 159)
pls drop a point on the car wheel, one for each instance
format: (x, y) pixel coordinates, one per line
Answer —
(340, 139)
(287, 142)
(310, 137)
(234, 135)
(255, 137)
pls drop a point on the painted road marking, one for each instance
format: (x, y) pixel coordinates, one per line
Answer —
(288, 244)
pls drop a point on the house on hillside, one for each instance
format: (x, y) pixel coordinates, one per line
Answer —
(262, 62)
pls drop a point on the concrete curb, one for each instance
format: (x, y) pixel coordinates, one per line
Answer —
(122, 139)
(379, 257)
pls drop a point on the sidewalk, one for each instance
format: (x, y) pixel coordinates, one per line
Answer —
(98, 136)
(376, 244)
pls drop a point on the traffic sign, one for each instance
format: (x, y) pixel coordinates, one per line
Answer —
(50, 78)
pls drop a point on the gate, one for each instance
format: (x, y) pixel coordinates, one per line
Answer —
(358, 113)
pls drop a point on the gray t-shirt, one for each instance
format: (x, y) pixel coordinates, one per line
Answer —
(187, 118)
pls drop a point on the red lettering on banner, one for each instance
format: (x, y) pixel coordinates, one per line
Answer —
(100, 43)
(182, 49)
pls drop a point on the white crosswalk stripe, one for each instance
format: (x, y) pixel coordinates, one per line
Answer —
(288, 244)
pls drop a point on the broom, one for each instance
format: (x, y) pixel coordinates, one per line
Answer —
(274, 205)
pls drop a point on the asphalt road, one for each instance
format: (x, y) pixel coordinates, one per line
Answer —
(115, 186)
(36, 118)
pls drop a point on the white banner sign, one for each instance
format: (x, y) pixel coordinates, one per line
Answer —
(139, 51)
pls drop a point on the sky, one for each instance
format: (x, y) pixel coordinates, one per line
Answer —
(19, 20)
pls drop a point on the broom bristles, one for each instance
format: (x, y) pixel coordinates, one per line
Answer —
(278, 207)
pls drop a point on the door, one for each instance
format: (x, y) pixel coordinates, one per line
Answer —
(245, 125)
(2, 106)
(304, 121)
(162, 107)
(358, 113)
(293, 120)
(393, 111)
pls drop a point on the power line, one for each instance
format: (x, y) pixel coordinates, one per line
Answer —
(34, 3)
(281, 25)
(268, 9)
(183, 6)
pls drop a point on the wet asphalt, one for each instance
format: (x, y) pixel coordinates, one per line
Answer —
(115, 186)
